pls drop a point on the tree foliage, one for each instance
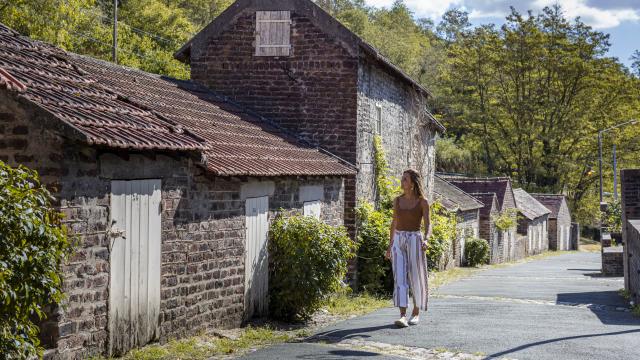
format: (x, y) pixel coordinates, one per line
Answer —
(33, 245)
(525, 99)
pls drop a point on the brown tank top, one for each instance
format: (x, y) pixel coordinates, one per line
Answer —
(408, 219)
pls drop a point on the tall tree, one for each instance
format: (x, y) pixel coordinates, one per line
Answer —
(533, 94)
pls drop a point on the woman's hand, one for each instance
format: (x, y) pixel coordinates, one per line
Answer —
(424, 245)
(387, 255)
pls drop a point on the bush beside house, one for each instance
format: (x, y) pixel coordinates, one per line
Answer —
(33, 245)
(308, 262)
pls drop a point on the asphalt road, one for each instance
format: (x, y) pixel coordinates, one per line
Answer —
(555, 308)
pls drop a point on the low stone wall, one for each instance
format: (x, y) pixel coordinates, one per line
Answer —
(612, 261)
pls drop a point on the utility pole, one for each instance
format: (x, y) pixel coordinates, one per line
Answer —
(600, 162)
(615, 174)
(114, 53)
(630, 122)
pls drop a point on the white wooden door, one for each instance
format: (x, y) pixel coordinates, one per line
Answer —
(134, 287)
(256, 281)
(313, 209)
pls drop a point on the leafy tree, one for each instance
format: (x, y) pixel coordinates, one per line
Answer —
(532, 95)
(635, 65)
(33, 245)
(455, 22)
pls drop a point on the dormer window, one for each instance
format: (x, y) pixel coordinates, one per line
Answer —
(273, 33)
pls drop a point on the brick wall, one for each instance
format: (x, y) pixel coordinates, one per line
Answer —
(407, 142)
(553, 234)
(612, 261)
(203, 231)
(312, 92)
(630, 196)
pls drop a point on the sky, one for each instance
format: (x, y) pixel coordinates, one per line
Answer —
(619, 18)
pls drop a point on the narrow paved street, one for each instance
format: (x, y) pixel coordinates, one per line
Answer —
(555, 308)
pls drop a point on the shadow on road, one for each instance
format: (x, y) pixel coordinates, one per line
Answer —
(339, 335)
(526, 346)
(583, 269)
(601, 304)
(340, 354)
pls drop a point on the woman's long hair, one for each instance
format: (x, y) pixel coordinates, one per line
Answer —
(416, 179)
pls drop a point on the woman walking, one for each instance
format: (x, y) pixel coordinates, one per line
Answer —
(407, 248)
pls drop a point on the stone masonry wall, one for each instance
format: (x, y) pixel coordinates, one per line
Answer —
(563, 227)
(407, 144)
(468, 224)
(311, 92)
(553, 234)
(203, 230)
(630, 196)
(19, 125)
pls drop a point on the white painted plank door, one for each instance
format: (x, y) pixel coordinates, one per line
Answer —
(312, 208)
(134, 286)
(256, 284)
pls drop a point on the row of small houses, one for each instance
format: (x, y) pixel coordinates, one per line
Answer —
(169, 185)
(541, 221)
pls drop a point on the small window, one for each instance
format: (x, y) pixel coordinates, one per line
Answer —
(312, 208)
(378, 119)
(273, 33)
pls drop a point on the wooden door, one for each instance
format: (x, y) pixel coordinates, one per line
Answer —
(312, 208)
(134, 287)
(256, 283)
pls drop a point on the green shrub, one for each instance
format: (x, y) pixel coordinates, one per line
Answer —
(476, 252)
(443, 232)
(33, 245)
(387, 187)
(308, 262)
(374, 270)
(506, 219)
(613, 216)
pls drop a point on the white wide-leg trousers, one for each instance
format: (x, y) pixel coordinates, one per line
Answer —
(409, 269)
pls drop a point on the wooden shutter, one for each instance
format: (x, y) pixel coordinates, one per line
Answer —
(273, 33)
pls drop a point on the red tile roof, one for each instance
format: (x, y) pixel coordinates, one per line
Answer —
(497, 185)
(120, 107)
(553, 202)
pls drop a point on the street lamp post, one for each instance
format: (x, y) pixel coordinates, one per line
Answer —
(632, 122)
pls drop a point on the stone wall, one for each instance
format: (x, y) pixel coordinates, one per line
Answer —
(630, 196)
(468, 227)
(536, 234)
(563, 228)
(312, 92)
(553, 234)
(612, 261)
(203, 230)
(407, 139)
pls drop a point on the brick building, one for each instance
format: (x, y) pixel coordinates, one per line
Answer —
(630, 190)
(559, 221)
(466, 207)
(503, 243)
(533, 224)
(295, 64)
(167, 187)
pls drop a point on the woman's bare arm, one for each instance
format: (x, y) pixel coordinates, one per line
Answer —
(392, 230)
(426, 217)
